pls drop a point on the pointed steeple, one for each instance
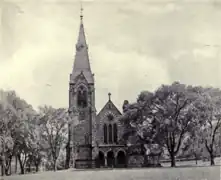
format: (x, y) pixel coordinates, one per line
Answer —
(81, 62)
(81, 37)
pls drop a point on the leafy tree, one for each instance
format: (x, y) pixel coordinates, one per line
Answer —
(7, 122)
(37, 149)
(15, 120)
(176, 115)
(25, 139)
(209, 112)
(193, 146)
(140, 127)
(164, 117)
(6, 147)
(53, 125)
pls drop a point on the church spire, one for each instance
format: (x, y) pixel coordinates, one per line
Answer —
(81, 36)
(81, 63)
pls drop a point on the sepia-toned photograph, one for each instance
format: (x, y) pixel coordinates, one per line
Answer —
(110, 89)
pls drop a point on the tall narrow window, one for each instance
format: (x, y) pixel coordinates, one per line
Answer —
(105, 133)
(110, 134)
(86, 139)
(82, 97)
(81, 115)
(115, 133)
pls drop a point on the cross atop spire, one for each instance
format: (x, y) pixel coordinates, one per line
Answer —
(81, 36)
(109, 95)
(81, 14)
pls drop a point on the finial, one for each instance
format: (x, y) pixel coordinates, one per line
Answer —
(109, 94)
(81, 15)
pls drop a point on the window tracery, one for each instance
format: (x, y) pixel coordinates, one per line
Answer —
(110, 117)
(115, 133)
(105, 133)
(81, 115)
(82, 97)
(110, 129)
(110, 137)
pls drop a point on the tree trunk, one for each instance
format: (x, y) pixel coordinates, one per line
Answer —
(55, 164)
(16, 163)
(68, 155)
(212, 162)
(173, 160)
(2, 170)
(37, 162)
(8, 166)
(196, 159)
(3, 166)
(36, 167)
(29, 167)
(30, 160)
(21, 165)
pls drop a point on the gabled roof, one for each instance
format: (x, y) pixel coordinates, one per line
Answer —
(111, 107)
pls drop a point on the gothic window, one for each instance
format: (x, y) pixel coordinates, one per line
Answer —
(115, 133)
(86, 139)
(105, 133)
(110, 117)
(81, 115)
(110, 134)
(82, 97)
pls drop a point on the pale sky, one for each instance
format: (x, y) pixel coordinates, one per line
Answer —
(134, 45)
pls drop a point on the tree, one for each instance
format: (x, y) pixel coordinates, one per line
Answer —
(209, 112)
(37, 148)
(8, 122)
(53, 125)
(164, 117)
(193, 146)
(176, 115)
(137, 118)
(6, 141)
(15, 115)
(140, 127)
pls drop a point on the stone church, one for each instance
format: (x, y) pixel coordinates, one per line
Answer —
(94, 139)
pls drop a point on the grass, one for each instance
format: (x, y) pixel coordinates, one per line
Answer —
(180, 173)
(186, 171)
(193, 163)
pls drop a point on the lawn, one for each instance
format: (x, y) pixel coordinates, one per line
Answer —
(179, 173)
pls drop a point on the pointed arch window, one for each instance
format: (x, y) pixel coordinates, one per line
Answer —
(82, 97)
(110, 131)
(115, 133)
(81, 115)
(105, 133)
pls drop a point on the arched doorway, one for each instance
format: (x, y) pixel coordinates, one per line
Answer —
(100, 160)
(110, 159)
(121, 159)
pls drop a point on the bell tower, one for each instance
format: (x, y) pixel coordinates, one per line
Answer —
(81, 104)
